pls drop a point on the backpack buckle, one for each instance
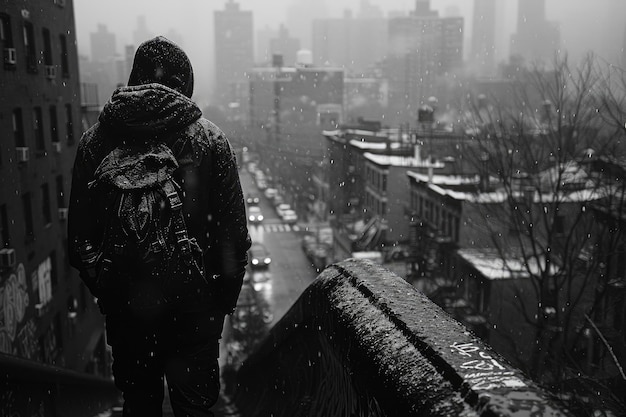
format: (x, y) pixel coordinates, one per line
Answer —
(175, 201)
(183, 241)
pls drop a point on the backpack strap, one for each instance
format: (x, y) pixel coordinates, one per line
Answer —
(187, 246)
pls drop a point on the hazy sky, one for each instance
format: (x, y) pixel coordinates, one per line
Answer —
(583, 22)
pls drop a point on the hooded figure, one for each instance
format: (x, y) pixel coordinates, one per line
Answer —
(178, 340)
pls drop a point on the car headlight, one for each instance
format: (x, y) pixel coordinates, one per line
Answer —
(267, 261)
(260, 217)
(255, 262)
(251, 218)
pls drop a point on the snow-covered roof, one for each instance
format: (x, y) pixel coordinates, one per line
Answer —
(444, 180)
(402, 161)
(493, 266)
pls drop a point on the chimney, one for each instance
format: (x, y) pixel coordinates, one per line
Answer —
(431, 162)
(417, 153)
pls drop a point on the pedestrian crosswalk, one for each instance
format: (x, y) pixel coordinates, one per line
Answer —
(275, 227)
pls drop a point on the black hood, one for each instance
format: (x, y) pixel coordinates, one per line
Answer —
(160, 60)
(150, 109)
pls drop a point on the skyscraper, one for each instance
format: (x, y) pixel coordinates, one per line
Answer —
(353, 43)
(422, 47)
(103, 48)
(482, 58)
(285, 45)
(536, 39)
(234, 54)
(141, 32)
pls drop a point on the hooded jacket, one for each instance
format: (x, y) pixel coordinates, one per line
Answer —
(156, 106)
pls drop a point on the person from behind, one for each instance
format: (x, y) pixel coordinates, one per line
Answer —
(157, 229)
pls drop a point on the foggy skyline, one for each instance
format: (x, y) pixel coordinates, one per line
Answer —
(584, 24)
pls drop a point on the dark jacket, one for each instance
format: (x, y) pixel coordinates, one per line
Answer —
(213, 205)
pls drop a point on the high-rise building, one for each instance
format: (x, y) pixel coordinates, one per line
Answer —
(300, 17)
(103, 48)
(482, 59)
(234, 53)
(285, 45)
(422, 48)
(141, 32)
(262, 53)
(536, 39)
(355, 44)
(49, 317)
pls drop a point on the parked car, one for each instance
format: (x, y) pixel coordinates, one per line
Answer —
(255, 215)
(259, 256)
(278, 199)
(282, 208)
(270, 192)
(289, 216)
(252, 200)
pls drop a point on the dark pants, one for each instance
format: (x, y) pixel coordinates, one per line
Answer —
(182, 347)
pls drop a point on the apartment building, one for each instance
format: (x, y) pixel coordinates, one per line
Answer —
(48, 315)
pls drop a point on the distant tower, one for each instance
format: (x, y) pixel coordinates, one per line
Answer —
(422, 8)
(422, 47)
(483, 36)
(102, 45)
(234, 53)
(536, 38)
(141, 33)
(300, 17)
(285, 45)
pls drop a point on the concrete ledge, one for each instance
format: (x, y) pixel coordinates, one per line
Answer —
(31, 388)
(362, 342)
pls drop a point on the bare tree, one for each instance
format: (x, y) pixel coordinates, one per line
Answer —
(554, 152)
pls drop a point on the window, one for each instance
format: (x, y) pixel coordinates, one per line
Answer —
(45, 204)
(6, 42)
(40, 143)
(65, 67)
(60, 192)
(29, 231)
(54, 272)
(18, 128)
(6, 35)
(69, 124)
(54, 128)
(4, 227)
(47, 47)
(29, 45)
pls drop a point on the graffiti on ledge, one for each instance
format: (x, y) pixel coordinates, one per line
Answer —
(484, 371)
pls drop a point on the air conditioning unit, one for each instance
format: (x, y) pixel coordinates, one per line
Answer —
(7, 258)
(60, 3)
(51, 72)
(56, 146)
(63, 213)
(10, 56)
(23, 154)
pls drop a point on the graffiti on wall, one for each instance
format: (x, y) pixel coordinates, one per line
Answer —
(14, 300)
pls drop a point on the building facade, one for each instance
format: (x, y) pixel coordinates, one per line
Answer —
(48, 315)
(356, 44)
(422, 48)
(286, 46)
(483, 52)
(536, 39)
(234, 54)
(296, 96)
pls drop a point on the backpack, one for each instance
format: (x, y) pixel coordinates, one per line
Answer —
(146, 258)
